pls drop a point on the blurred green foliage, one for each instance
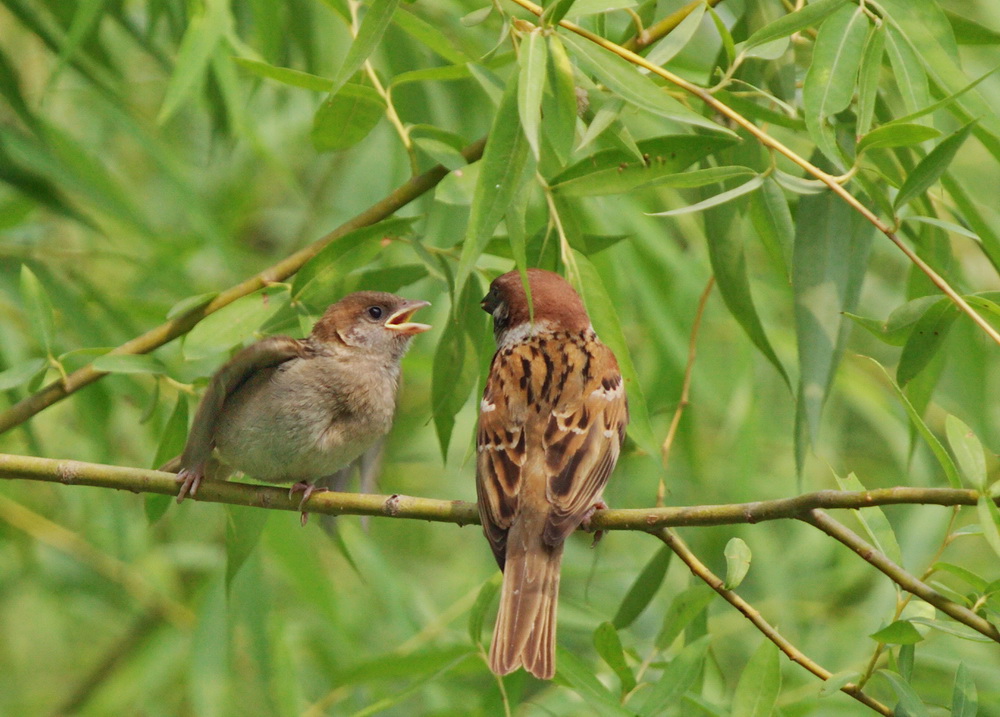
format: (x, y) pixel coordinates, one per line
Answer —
(156, 152)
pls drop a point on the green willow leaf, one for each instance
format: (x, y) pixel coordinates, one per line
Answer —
(678, 676)
(574, 673)
(605, 318)
(931, 167)
(244, 527)
(808, 16)
(714, 200)
(346, 118)
(873, 520)
(911, 80)
(234, 323)
(760, 683)
(900, 632)
(643, 589)
(172, 440)
(369, 35)
(964, 698)
(623, 79)
(22, 373)
(533, 60)
(909, 703)
(896, 134)
(201, 38)
(772, 220)
(868, 78)
(427, 34)
(285, 75)
(738, 558)
(943, 459)
(129, 363)
(683, 610)
(967, 450)
(925, 340)
(502, 167)
(989, 519)
(609, 647)
(477, 614)
(828, 264)
(668, 47)
(829, 84)
(36, 301)
(559, 107)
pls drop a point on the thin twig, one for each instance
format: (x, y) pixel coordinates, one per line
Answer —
(772, 143)
(664, 27)
(898, 575)
(179, 325)
(140, 480)
(701, 571)
(668, 442)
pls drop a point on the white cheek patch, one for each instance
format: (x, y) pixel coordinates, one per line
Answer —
(523, 332)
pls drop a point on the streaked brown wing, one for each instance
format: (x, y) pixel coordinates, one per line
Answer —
(266, 353)
(582, 441)
(501, 451)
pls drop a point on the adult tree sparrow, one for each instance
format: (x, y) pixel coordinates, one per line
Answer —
(551, 424)
(287, 410)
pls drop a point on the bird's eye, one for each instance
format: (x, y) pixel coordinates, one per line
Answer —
(375, 312)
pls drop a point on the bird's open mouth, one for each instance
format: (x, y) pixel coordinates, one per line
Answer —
(400, 321)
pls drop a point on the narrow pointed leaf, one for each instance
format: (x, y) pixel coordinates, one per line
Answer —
(370, 33)
(609, 647)
(714, 201)
(499, 178)
(738, 558)
(39, 308)
(623, 79)
(964, 699)
(197, 48)
(810, 14)
(346, 118)
(760, 683)
(530, 86)
(931, 167)
(967, 450)
(643, 589)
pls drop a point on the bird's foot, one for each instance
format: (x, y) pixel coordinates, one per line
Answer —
(306, 489)
(598, 505)
(190, 480)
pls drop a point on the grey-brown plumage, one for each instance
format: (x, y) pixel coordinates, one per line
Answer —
(551, 424)
(286, 410)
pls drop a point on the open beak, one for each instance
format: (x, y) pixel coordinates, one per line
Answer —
(400, 320)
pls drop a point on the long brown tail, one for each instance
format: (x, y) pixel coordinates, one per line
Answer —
(525, 631)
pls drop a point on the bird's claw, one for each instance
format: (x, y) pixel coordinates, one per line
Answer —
(190, 480)
(598, 505)
(307, 489)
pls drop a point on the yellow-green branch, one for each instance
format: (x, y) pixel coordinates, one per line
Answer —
(139, 480)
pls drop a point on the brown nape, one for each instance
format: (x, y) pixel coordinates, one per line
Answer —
(553, 298)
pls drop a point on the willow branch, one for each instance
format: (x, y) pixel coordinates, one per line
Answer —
(771, 143)
(701, 571)
(898, 575)
(179, 325)
(139, 480)
(660, 29)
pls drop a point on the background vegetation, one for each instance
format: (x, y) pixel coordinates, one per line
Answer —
(154, 154)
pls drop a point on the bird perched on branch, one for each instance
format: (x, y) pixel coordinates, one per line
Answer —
(551, 425)
(287, 410)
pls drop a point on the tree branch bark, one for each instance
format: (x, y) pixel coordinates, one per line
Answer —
(701, 571)
(139, 480)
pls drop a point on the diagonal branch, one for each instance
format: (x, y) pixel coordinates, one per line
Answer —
(898, 575)
(179, 325)
(700, 570)
(771, 143)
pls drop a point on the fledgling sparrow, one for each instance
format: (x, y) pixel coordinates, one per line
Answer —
(551, 424)
(287, 410)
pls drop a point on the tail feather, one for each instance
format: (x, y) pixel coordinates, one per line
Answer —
(525, 631)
